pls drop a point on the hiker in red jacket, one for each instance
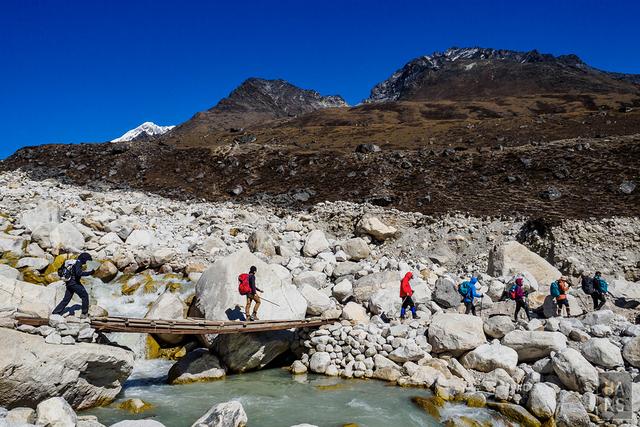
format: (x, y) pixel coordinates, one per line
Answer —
(406, 293)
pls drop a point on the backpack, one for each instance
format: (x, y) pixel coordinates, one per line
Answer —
(512, 292)
(588, 285)
(464, 288)
(603, 286)
(65, 272)
(243, 286)
(555, 289)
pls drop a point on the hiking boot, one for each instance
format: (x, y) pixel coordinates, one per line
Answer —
(415, 316)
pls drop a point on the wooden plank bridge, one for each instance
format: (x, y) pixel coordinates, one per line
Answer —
(186, 326)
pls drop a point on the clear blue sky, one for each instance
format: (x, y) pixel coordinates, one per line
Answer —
(73, 71)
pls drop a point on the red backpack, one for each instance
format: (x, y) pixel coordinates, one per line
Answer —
(244, 287)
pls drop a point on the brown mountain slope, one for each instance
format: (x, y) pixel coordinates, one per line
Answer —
(474, 73)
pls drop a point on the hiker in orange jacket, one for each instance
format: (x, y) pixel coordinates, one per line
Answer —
(406, 293)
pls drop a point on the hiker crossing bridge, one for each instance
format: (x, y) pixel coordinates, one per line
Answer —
(186, 326)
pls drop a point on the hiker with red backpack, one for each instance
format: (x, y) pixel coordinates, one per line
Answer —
(247, 287)
(406, 293)
(518, 294)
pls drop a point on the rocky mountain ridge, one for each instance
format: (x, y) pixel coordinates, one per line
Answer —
(472, 72)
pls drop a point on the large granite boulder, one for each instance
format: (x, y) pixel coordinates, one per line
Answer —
(623, 289)
(317, 302)
(8, 272)
(455, 333)
(168, 306)
(47, 212)
(375, 228)
(542, 401)
(388, 301)
(512, 258)
(602, 352)
(356, 248)
(314, 243)
(489, 357)
(27, 298)
(85, 375)
(66, 237)
(366, 286)
(534, 345)
(498, 326)
(575, 372)
(217, 296)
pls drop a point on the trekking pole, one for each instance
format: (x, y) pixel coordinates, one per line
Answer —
(271, 302)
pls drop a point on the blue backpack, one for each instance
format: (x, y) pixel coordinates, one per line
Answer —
(464, 288)
(555, 289)
(601, 285)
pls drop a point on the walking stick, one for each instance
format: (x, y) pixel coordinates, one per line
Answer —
(271, 302)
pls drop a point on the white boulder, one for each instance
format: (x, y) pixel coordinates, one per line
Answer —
(534, 345)
(47, 212)
(55, 412)
(312, 278)
(66, 237)
(512, 258)
(542, 401)
(355, 313)
(602, 352)
(141, 239)
(315, 243)
(317, 302)
(228, 414)
(575, 372)
(168, 306)
(84, 374)
(319, 362)
(28, 298)
(356, 249)
(491, 356)
(375, 228)
(455, 333)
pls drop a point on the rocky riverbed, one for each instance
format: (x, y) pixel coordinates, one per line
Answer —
(161, 258)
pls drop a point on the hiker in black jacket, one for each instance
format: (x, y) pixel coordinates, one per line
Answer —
(74, 286)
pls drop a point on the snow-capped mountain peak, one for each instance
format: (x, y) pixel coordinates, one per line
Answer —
(144, 130)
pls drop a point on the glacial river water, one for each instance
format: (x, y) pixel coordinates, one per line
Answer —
(275, 398)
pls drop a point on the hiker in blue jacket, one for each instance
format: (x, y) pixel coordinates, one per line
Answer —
(470, 295)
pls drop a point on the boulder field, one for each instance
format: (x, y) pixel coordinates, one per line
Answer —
(341, 261)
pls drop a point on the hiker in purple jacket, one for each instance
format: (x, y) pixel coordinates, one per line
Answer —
(519, 296)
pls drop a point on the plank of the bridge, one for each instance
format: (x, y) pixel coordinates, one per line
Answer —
(186, 326)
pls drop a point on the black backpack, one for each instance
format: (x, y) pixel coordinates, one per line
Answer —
(588, 285)
(65, 272)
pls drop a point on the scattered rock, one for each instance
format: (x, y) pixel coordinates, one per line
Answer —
(197, 366)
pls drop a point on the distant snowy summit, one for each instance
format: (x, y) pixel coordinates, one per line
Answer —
(144, 130)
